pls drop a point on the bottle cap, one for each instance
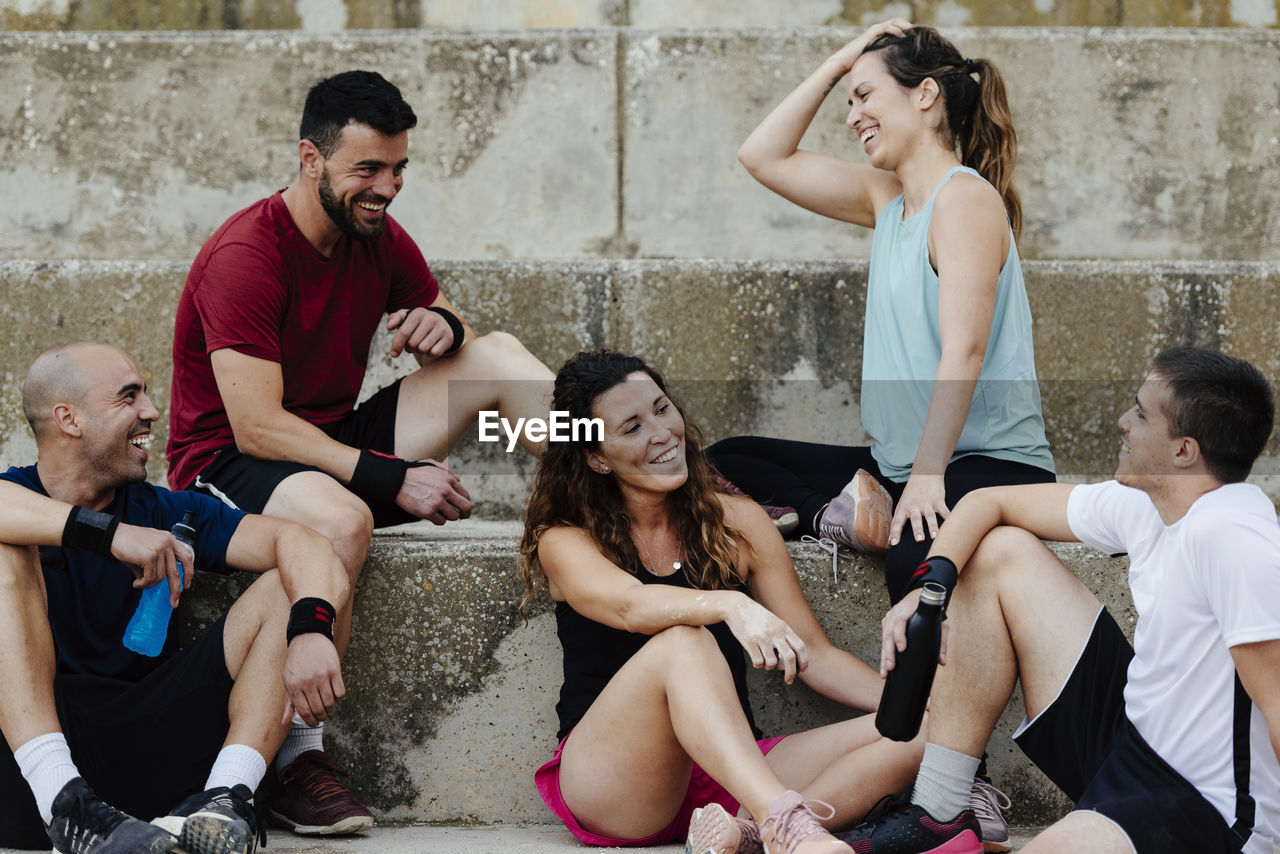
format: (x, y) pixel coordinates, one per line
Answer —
(933, 594)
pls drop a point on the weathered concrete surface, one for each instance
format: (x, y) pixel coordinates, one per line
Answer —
(336, 15)
(1123, 152)
(447, 684)
(621, 142)
(141, 146)
(766, 347)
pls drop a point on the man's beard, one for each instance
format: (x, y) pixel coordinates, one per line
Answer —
(344, 217)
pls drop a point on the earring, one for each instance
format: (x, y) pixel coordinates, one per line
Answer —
(605, 469)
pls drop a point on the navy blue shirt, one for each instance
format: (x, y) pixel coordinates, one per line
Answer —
(91, 598)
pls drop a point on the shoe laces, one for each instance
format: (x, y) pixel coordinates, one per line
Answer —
(91, 819)
(881, 812)
(797, 824)
(319, 776)
(240, 800)
(987, 801)
(829, 546)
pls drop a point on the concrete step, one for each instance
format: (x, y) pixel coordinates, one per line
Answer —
(525, 839)
(766, 347)
(335, 16)
(620, 142)
(446, 683)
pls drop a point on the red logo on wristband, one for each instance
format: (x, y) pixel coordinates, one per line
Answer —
(323, 614)
(920, 570)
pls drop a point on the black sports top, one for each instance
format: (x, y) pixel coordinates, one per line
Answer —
(594, 652)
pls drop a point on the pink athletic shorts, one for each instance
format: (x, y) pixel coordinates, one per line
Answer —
(702, 791)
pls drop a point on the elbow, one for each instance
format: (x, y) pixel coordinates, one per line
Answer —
(252, 439)
(750, 159)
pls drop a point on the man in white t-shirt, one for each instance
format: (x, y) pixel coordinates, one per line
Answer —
(1167, 746)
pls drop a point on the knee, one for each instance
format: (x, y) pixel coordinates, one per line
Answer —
(676, 643)
(1002, 550)
(348, 526)
(503, 353)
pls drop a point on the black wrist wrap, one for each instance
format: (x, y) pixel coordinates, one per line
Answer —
(310, 614)
(378, 476)
(90, 530)
(455, 325)
(939, 570)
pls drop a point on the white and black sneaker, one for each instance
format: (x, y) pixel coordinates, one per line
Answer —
(84, 824)
(217, 821)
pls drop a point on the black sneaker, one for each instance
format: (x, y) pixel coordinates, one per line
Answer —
(904, 828)
(83, 824)
(217, 821)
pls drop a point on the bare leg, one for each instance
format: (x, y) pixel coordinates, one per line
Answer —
(27, 708)
(1081, 831)
(1016, 613)
(254, 646)
(439, 401)
(323, 504)
(625, 768)
(848, 765)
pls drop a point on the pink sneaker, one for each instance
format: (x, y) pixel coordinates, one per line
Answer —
(793, 828)
(714, 831)
(860, 516)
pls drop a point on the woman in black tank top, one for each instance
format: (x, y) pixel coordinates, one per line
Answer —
(661, 583)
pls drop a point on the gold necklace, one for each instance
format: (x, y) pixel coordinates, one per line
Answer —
(675, 564)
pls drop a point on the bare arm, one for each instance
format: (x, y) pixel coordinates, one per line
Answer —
(968, 236)
(252, 390)
(1259, 667)
(307, 563)
(1040, 508)
(851, 192)
(832, 672)
(600, 590)
(32, 519)
(308, 568)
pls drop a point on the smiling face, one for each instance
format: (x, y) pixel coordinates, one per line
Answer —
(114, 417)
(360, 179)
(887, 117)
(1147, 450)
(643, 445)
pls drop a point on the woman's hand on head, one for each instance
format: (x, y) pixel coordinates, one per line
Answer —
(769, 641)
(849, 54)
(921, 508)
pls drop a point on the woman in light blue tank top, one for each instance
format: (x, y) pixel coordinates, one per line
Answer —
(949, 390)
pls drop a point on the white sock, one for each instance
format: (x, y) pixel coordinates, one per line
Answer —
(299, 740)
(237, 764)
(944, 782)
(46, 765)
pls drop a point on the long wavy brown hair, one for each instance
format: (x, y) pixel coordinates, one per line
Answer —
(567, 492)
(977, 111)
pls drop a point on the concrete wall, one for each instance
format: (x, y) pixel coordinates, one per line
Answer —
(621, 143)
(754, 347)
(451, 696)
(331, 15)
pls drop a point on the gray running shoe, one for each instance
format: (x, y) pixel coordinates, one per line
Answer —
(859, 517)
(83, 824)
(987, 801)
(217, 821)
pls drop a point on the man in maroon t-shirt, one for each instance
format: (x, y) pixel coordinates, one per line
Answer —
(273, 334)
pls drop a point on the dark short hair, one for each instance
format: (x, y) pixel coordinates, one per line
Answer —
(1224, 403)
(362, 96)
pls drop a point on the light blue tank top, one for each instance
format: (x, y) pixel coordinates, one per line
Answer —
(902, 348)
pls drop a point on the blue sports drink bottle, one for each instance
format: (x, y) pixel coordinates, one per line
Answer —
(149, 626)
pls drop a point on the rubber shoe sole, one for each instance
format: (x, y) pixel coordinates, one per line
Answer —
(352, 824)
(208, 833)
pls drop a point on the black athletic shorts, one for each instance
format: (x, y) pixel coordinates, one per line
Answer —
(142, 747)
(1086, 745)
(247, 482)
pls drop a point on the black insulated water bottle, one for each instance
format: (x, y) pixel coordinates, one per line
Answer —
(906, 689)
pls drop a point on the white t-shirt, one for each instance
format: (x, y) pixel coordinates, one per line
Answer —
(1206, 583)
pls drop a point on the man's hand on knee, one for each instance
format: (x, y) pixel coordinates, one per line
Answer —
(434, 493)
